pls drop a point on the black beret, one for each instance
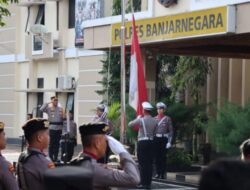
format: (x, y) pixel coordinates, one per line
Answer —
(93, 129)
(34, 125)
(1, 126)
(69, 178)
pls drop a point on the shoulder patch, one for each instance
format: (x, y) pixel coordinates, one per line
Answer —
(51, 165)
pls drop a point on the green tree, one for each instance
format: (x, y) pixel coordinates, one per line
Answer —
(166, 66)
(4, 10)
(229, 128)
(111, 65)
(191, 73)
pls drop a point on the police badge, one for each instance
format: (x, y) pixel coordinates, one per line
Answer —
(167, 3)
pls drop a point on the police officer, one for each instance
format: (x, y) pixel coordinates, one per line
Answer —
(162, 139)
(68, 140)
(147, 125)
(55, 117)
(7, 179)
(33, 164)
(94, 143)
(101, 116)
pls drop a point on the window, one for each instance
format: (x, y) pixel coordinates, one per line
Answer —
(28, 83)
(56, 82)
(37, 45)
(39, 104)
(71, 14)
(40, 15)
(40, 83)
(70, 103)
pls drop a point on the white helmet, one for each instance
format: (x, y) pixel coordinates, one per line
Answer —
(161, 105)
(147, 106)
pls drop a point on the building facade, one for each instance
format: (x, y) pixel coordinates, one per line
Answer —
(42, 54)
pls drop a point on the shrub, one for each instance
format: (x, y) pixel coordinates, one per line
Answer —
(177, 159)
(230, 128)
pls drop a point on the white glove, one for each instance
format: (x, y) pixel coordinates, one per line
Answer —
(139, 116)
(115, 146)
(168, 145)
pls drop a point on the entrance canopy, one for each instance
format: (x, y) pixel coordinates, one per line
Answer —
(218, 32)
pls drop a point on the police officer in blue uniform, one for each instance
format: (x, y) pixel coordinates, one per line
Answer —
(55, 117)
(7, 179)
(95, 142)
(162, 140)
(33, 164)
(147, 125)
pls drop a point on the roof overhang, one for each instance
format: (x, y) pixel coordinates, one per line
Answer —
(232, 40)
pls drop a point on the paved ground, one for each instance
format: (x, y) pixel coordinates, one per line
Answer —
(162, 186)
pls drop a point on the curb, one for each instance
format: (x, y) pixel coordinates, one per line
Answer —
(191, 178)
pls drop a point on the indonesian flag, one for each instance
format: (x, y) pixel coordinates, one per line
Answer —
(137, 86)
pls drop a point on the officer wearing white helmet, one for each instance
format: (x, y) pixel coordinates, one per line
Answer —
(147, 125)
(162, 139)
(101, 116)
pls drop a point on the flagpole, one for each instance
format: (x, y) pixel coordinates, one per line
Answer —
(123, 84)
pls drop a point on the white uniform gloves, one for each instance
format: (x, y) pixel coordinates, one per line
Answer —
(168, 145)
(115, 146)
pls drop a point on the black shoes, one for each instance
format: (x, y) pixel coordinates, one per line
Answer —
(143, 187)
(158, 176)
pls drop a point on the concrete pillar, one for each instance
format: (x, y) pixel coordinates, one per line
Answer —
(223, 84)
(245, 81)
(235, 81)
(63, 27)
(212, 79)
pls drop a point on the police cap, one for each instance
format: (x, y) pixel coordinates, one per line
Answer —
(34, 125)
(69, 178)
(53, 98)
(147, 106)
(100, 107)
(1, 126)
(161, 105)
(93, 129)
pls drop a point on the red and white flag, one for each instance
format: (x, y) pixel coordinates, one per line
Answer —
(137, 86)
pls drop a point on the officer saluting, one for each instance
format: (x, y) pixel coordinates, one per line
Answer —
(162, 140)
(94, 142)
(147, 125)
(55, 117)
(33, 164)
(7, 179)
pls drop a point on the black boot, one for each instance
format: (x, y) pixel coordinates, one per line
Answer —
(162, 176)
(157, 176)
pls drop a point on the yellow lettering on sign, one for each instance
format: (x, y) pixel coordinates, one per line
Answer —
(199, 23)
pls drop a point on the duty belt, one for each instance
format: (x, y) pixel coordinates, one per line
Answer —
(55, 123)
(161, 135)
(145, 139)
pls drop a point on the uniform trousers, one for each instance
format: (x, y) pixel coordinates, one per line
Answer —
(145, 160)
(67, 150)
(55, 136)
(160, 155)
